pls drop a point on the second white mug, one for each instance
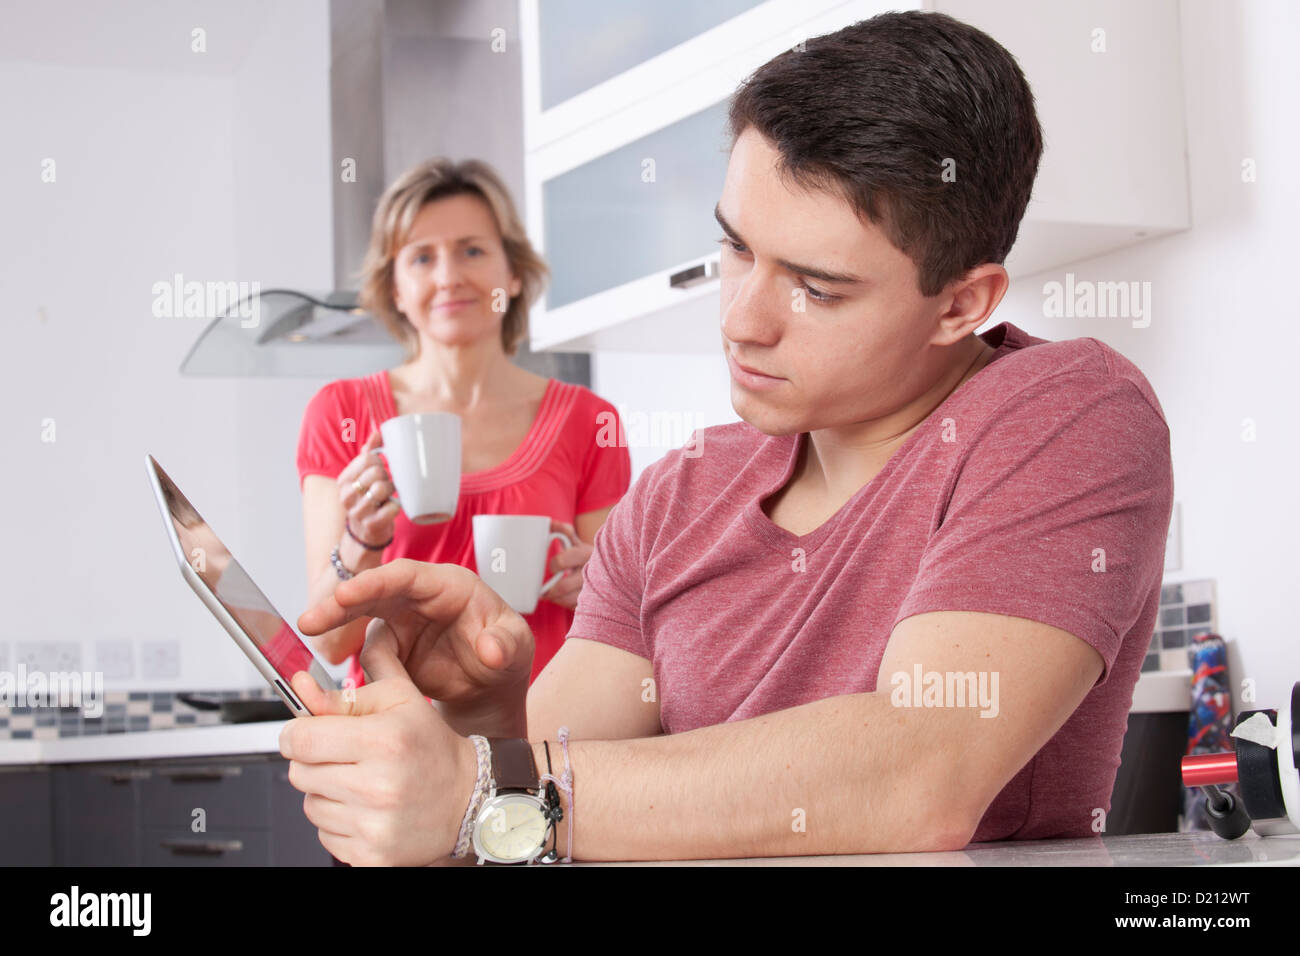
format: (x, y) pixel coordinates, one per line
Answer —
(510, 551)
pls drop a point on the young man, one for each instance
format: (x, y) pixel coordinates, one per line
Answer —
(901, 606)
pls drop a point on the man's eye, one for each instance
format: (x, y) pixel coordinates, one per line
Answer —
(475, 249)
(817, 296)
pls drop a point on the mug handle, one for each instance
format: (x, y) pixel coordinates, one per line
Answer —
(555, 577)
(376, 451)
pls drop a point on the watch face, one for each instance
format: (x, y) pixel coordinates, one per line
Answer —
(510, 828)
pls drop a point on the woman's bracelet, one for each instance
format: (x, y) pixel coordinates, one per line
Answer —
(368, 547)
(463, 839)
(339, 567)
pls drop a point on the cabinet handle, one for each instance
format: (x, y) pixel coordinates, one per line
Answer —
(695, 275)
(202, 847)
(124, 776)
(199, 774)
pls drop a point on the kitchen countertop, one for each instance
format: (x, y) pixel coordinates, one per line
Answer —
(147, 745)
(1162, 692)
(1151, 849)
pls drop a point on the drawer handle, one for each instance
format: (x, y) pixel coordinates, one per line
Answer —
(124, 776)
(695, 275)
(199, 774)
(202, 847)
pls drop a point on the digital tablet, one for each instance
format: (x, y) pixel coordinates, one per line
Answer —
(229, 593)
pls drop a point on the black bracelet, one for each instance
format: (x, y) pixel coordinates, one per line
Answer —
(553, 812)
(368, 547)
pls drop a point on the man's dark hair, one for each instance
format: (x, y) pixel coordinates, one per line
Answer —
(872, 112)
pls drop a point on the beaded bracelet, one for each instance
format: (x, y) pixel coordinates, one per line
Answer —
(343, 573)
(484, 755)
(565, 783)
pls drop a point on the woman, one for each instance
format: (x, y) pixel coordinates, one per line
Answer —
(451, 275)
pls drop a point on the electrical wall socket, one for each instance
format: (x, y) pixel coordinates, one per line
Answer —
(49, 657)
(160, 659)
(115, 659)
(65, 657)
(31, 655)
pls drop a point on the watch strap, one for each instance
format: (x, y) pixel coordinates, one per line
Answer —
(513, 765)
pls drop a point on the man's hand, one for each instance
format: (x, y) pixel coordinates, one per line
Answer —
(387, 781)
(459, 641)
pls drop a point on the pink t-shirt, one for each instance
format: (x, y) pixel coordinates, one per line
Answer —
(560, 470)
(995, 503)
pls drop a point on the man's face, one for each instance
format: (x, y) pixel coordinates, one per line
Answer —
(857, 357)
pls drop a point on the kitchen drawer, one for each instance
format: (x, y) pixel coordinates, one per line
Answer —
(96, 815)
(178, 846)
(26, 837)
(295, 841)
(232, 794)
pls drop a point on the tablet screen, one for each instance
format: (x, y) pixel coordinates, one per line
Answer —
(230, 584)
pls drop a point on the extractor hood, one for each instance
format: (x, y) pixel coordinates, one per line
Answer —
(297, 333)
(406, 77)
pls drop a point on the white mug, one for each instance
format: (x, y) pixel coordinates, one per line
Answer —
(510, 551)
(423, 452)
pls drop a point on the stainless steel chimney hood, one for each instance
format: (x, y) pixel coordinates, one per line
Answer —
(409, 79)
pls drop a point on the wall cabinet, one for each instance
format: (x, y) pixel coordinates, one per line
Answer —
(626, 153)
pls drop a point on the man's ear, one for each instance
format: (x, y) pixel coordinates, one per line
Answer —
(975, 296)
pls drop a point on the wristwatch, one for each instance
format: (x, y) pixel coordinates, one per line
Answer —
(516, 818)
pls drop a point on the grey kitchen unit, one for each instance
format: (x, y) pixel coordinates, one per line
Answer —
(232, 810)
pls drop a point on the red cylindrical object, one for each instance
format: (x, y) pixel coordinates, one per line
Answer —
(1202, 769)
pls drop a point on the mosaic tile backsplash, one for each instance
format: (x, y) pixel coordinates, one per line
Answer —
(1186, 610)
(124, 712)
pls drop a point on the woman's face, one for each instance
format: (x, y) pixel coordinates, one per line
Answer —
(452, 279)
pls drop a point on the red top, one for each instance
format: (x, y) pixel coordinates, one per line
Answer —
(1001, 502)
(561, 470)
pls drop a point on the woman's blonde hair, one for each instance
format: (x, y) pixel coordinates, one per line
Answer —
(434, 179)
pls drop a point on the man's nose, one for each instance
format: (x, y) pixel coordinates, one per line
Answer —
(751, 308)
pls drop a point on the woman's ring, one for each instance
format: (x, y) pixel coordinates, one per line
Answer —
(356, 485)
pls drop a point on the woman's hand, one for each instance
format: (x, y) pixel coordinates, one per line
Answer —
(366, 493)
(565, 591)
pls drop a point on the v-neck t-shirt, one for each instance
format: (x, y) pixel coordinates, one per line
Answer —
(561, 469)
(996, 503)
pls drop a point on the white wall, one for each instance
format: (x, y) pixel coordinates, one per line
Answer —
(161, 168)
(1221, 347)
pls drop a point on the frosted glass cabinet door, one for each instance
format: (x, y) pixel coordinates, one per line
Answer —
(585, 42)
(639, 209)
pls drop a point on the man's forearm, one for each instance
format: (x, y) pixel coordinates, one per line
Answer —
(844, 775)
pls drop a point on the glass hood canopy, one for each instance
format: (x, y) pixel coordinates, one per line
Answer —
(281, 332)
